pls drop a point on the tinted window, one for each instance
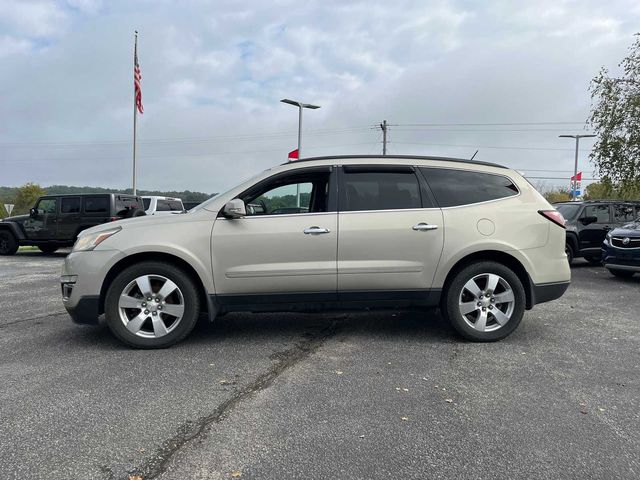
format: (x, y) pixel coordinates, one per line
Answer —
(70, 205)
(126, 205)
(460, 187)
(297, 193)
(162, 206)
(47, 205)
(379, 190)
(176, 205)
(568, 211)
(623, 213)
(147, 202)
(601, 212)
(96, 205)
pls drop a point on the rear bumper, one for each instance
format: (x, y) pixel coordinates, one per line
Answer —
(546, 292)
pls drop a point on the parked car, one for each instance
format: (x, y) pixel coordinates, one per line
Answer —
(621, 250)
(474, 238)
(162, 205)
(56, 220)
(588, 223)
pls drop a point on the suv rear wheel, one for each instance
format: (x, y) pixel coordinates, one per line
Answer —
(8, 243)
(484, 302)
(152, 305)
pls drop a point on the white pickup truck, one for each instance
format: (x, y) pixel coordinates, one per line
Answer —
(162, 205)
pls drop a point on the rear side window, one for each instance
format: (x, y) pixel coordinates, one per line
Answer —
(126, 205)
(383, 190)
(623, 213)
(462, 187)
(162, 206)
(96, 205)
(70, 205)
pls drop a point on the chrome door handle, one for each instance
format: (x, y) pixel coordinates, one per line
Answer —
(315, 231)
(423, 227)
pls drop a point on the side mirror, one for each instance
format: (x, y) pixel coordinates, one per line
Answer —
(588, 220)
(234, 209)
(33, 212)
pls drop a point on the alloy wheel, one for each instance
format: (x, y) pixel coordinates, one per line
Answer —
(486, 302)
(151, 306)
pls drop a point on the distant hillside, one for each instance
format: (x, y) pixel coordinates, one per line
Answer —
(8, 193)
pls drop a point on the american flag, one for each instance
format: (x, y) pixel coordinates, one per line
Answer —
(136, 82)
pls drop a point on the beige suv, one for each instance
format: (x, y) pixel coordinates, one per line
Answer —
(473, 238)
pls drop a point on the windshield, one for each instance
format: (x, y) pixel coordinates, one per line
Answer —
(206, 202)
(567, 210)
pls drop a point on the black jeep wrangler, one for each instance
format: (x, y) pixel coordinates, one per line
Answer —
(56, 220)
(589, 221)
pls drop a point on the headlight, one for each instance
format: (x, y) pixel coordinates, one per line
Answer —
(92, 240)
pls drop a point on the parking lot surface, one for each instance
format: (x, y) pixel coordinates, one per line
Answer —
(390, 394)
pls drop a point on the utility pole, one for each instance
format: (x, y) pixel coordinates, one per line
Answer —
(383, 126)
(574, 192)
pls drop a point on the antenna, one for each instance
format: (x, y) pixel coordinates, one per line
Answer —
(474, 155)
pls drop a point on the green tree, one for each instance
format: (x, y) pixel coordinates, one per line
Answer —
(558, 195)
(26, 197)
(615, 118)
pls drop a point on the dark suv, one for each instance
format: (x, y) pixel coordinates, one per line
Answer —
(56, 220)
(589, 221)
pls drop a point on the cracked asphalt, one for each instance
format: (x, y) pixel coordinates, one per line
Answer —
(391, 394)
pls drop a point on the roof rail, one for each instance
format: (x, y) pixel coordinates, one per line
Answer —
(403, 157)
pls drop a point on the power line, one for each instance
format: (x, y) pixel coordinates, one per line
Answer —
(488, 146)
(483, 124)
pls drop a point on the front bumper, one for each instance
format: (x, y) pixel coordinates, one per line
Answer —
(620, 258)
(83, 274)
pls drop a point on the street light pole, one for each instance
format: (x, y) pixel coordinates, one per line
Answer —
(300, 106)
(575, 165)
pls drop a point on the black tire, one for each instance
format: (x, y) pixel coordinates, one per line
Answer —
(622, 273)
(451, 309)
(593, 260)
(47, 248)
(8, 243)
(568, 249)
(183, 281)
(138, 213)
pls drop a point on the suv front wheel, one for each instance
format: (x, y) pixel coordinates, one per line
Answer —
(8, 243)
(484, 302)
(152, 305)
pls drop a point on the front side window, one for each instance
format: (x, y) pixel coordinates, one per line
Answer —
(379, 190)
(47, 205)
(453, 187)
(96, 205)
(599, 212)
(163, 206)
(70, 205)
(295, 193)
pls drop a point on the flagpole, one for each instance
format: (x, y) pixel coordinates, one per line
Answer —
(135, 110)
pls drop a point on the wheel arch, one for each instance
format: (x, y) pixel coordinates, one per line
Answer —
(14, 229)
(499, 257)
(114, 271)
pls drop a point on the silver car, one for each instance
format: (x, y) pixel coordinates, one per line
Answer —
(351, 232)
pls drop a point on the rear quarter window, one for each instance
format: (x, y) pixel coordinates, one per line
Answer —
(453, 187)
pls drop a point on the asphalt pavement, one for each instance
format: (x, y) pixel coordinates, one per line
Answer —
(390, 394)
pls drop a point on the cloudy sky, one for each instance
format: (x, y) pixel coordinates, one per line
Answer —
(503, 77)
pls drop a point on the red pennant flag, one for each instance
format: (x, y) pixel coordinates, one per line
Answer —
(578, 175)
(293, 155)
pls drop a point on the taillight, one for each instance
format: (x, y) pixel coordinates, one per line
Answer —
(113, 219)
(555, 216)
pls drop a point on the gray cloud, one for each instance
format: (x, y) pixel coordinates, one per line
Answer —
(214, 72)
